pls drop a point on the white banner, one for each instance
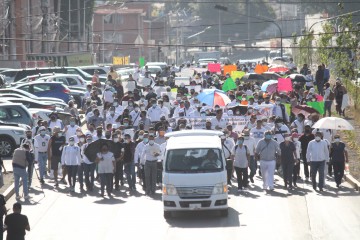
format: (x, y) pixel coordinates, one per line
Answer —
(128, 86)
(238, 122)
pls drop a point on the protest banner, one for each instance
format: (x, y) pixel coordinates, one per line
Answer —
(237, 74)
(158, 90)
(229, 68)
(214, 67)
(284, 85)
(197, 88)
(128, 86)
(259, 68)
(184, 80)
(143, 82)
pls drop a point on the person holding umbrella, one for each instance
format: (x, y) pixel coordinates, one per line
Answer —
(106, 166)
(339, 156)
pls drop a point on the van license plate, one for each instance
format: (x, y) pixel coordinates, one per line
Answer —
(194, 205)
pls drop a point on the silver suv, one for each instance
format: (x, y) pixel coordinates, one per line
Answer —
(10, 138)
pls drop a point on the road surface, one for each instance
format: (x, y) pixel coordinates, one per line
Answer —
(254, 214)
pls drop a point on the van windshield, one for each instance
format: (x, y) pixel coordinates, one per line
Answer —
(194, 160)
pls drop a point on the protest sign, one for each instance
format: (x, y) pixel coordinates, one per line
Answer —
(284, 85)
(158, 90)
(229, 68)
(237, 74)
(259, 69)
(214, 67)
(143, 82)
(184, 80)
(128, 86)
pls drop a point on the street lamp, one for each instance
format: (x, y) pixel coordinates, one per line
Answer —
(225, 9)
(201, 32)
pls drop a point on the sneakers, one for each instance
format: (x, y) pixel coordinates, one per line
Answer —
(252, 180)
(239, 190)
(27, 197)
(42, 181)
(17, 197)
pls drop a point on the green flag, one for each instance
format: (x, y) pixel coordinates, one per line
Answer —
(141, 61)
(228, 85)
(319, 106)
(288, 108)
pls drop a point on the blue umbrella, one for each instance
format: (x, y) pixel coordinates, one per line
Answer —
(266, 84)
(213, 97)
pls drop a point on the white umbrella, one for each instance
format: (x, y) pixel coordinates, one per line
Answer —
(334, 123)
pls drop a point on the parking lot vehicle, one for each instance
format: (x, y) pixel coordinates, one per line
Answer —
(203, 63)
(18, 92)
(194, 173)
(102, 70)
(162, 65)
(15, 113)
(30, 103)
(47, 89)
(11, 136)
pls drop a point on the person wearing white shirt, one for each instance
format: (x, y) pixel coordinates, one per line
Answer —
(227, 147)
(297, 143)
(108, 95)
(250, 143)
(291, 64)
(258, 132)
(135, 116)
(150, 153)
(106, 167)
(280, 130)
(54, 122)
(70, 129)
(119, 109)
(111, 117)
(299, 124)
(154, 112)
(164, 110)
(71, 159)
(139, 160)
(218, 122)
(317, 154)
(41, 143)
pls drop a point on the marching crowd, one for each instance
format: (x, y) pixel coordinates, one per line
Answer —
(123, 130)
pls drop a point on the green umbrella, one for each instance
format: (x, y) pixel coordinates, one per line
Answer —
(228, 85)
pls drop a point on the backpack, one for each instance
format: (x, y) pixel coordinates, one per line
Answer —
(331, 95)
(246, 149)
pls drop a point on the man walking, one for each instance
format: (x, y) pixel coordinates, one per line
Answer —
(266, 151)
(41, 142)
(16, 224)
(339, 156)
(150, 153)
(317, 154)
(71, 159)
(20, 161)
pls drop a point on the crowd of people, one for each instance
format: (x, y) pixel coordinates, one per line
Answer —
(130, 127)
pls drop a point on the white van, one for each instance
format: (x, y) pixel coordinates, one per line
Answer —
(194, 172)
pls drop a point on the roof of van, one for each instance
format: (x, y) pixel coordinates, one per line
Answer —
(194, 141)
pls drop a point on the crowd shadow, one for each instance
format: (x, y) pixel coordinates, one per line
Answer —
(204, 219)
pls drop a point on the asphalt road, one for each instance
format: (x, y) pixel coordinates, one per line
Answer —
(254, 214)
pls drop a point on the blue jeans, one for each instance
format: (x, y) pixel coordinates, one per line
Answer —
(21, 173)
(317, 167)
(30, 172)
(105, 180)
(42, 158)
(129, 169)
(89, 170)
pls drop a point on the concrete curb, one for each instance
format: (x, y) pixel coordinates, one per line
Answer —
(9, 192)
(352, 181)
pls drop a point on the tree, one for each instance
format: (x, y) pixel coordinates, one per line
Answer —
(324, 42)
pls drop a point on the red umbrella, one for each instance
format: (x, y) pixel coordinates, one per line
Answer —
(304, 109)
(278, 69)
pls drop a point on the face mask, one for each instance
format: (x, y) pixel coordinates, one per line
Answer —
(178, 98)
(181, 129)
(112, 112)
(337, 139)
(142, 108)
(154, 105)
(82, 140)
(288, 139)
(115, 104)
(151, 142)
(88, 140)
(296, 139)
(268, 136)
(142, 99)
(71, 143)
(145, 140)
(126, 124)
(240, 142)
(60, 134)
(28, 137)
(317, 138)
(137, 109)
(78, 134)
(250, 111)
(42, 133)
(116, 139)
(277, 102)
(237, 113)
(141, 136)
(72, 124)
(203, 114)
(131, 104)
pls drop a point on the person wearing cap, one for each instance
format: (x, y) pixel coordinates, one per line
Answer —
(20, 160)
(150, 154)
(35, 129)
(317, 154)
(299, 123)
(339, 156)
(71, 159)
(55, 122)
(280, 129)
(240, 155)
(54, 151)
(250, 143)
(227, 144)
(266, 152)
(41, 144)
(288, 159)
(280, 111)
(304, 140)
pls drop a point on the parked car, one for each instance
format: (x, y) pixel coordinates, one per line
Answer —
(31, 78)
(30, 103)
(10, 138)
(47, 89)
(9, 74)
(44, 114)
(162, 65)
(17, 96)
(203, 63)
(102, 70)
(29, 95)
(15, 113)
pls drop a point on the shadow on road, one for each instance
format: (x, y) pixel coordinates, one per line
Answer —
(109, 201)
(205, 219)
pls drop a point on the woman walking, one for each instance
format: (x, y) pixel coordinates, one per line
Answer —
(106, 165)
(288, 154)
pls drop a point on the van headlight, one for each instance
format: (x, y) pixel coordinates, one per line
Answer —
(220, 188)
(169, 189)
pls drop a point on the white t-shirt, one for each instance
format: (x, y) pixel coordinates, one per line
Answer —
(251, 145)
(106, 165)
(240, 156)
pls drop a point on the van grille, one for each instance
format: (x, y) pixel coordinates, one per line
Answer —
(194, 192)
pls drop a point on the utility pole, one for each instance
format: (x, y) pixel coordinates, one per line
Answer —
(69, 26)
(219, 26)
(248, 21)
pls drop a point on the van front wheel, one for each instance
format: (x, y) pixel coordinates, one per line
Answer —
(224, 212)
(167, 214)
